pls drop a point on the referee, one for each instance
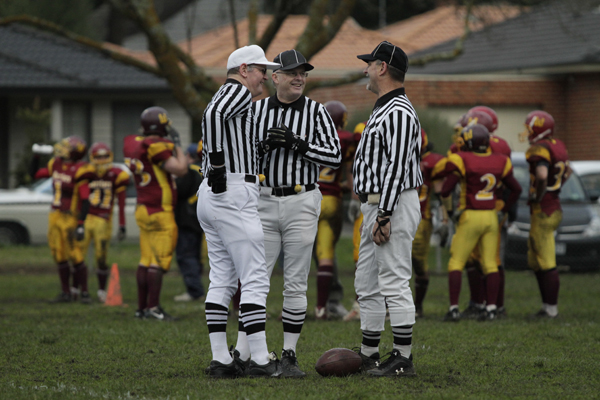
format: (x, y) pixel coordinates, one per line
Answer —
(296, 135)
(386, 177)
(228, 213)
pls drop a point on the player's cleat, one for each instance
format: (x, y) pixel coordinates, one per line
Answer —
(184, 297)
(486, 315)
(368, 362)
(86, 298)
(472, 311)
(141, 314)
(336, 310)
(74, 293)
(452, 315)
(101, 295)
(62, 298)
(354, 313)
(418, 311)
(289, 365)
(236, 357)
(543, 314)
(219, 370)
(158, 313)
(320, 313)
(501, 312)
(394, 365)
(272, 369)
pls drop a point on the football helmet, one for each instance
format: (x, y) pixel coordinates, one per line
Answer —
(489, 112)
(155, 121)
(458, 127)
(338, 112)
(101, 157)
(479, 117)
(539, 125)
(475, 138)
(71, 148)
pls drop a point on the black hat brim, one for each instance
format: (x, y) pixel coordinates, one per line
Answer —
(366, 57)
(307, 67)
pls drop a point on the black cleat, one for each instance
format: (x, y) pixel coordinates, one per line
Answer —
(141, 314)
(486, 315)
(452, 315)
(473, 311)
(62, 298)
(219, 370)
(501, 312)
(542, 314)
(236, 357)
(272, 369)
(86, 298)
(289, 365)
(394, 365)
(368, 362)
(158, 313)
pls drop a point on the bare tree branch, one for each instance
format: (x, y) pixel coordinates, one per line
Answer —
(252, 20)
(234, 23)
(283, 9)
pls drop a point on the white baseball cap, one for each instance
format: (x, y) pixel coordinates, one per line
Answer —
(252, 54)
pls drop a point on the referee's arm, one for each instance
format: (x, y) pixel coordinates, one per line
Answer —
(324, 147)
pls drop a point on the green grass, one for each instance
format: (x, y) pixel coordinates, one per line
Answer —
(73, 351)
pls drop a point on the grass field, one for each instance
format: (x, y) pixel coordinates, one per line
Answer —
(74, 351)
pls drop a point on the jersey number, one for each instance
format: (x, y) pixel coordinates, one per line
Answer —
(137, 167)
(101, 198)
(57, 193)
(558, 177)
(487, 193)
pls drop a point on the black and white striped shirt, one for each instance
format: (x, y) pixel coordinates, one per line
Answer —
(228, 127)
(387, 157)
(307, 119)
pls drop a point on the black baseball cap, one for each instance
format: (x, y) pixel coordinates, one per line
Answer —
(291, 59)
(385, 51)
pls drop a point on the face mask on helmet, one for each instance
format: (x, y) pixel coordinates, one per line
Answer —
(458, 127)
(101, 157)
(74, 148)
(538, 125)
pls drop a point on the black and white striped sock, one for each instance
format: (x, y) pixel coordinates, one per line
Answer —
(216, 319)
(254, 318)
(370, 343)
(293, 320)
(403, 339)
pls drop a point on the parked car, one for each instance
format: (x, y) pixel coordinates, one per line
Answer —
(24, 213)
(589, 172)
(578, 236)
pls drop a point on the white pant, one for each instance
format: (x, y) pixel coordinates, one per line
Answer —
(291, 222)
(234, 238)
(383, 272)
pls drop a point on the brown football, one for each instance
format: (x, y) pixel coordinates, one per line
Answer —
(338, 362)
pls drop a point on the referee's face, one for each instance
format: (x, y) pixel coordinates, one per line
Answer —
(257, 76)
(371, 71)
(290, 84)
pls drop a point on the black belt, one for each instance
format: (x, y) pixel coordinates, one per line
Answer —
(288, 191)
(250, 178)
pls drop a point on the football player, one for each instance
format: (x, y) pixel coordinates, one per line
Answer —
(106, 183)
(420, 249)
(548, 170)
(479, 172)
(153, 159)
(329, 289)
(68, 213)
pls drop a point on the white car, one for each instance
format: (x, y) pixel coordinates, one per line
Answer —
(589, 172)
(24, 213)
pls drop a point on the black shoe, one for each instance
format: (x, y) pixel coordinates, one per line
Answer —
(158, 313)
(272, 369)
(486, 315)
(542, 314)
(236, 357)
(141, 314)
(289, 365)
(368, 362)
(394, 365)
(452, 315)
(501, 312)
(224, 371)
(62, 298)
(86, 298)
(472, 311)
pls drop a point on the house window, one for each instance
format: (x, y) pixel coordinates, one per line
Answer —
(126, 121)
(76, 120)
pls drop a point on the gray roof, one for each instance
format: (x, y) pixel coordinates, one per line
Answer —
(39, 60)
(551, 37)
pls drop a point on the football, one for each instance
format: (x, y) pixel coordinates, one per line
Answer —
(338, 362)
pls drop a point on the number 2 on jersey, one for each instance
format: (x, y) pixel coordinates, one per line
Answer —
(487, 193)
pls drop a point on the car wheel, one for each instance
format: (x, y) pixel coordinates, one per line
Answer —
(12, 234)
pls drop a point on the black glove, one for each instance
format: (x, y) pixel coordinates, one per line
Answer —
(174, 137)
(79, 232)
(266, 146)
(122, 233)
(284, 137)
(217, 179)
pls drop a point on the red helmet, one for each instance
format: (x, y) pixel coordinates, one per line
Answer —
(101, 156)
(338, 113)
(475, 138)
(481, 118)
(489, 112)
(539, 125)
(72, 148)
(155, 121)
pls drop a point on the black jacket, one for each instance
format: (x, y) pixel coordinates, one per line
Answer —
(185, 210)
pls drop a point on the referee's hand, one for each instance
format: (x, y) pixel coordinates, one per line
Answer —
(381, 230)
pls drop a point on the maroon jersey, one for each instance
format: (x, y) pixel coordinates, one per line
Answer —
(67, 176)
(428, 162)
(499, 145)
(553, 152)
(103, 190)
(480, 174)
(155, 187)
(329, 178)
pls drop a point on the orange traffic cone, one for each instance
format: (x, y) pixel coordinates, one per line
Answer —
(114, 296)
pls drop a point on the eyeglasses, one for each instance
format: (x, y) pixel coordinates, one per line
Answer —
(262, 70)
(293, 74)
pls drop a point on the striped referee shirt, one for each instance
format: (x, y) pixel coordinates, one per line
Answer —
(307, 119)
(228, 127)
(387, 157)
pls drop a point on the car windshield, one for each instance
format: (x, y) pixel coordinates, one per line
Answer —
(571, 192)
(42, 186)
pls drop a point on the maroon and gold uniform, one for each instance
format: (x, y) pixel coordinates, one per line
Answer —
(156, 197)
